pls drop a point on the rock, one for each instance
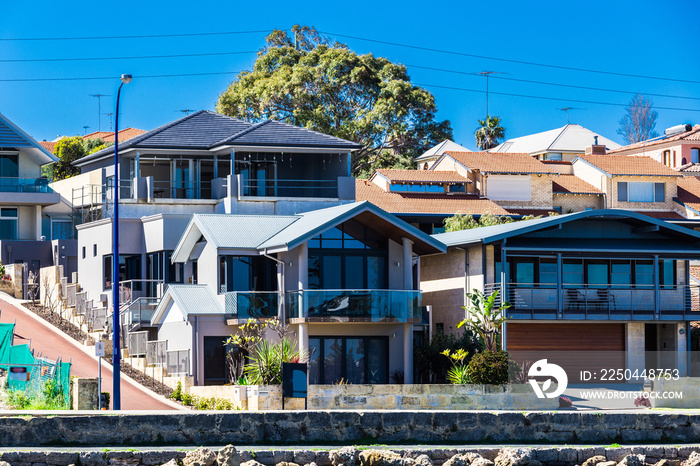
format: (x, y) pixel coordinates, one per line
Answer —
(172, 462)
(513, 457)
(462, 460)
(92, 458)
(304, 457)
(381, 458)
(633, 460)
(593, 461)
(5, 463)
(286, 463)
(311, 464)
(423, 460)
(663, 462)
(199, 457)
(608, 463)
(480, 461)
(228, 456)
(346, 456)
(693, 460)
(252, 463)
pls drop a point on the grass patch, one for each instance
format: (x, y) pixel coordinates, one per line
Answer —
(50, 398)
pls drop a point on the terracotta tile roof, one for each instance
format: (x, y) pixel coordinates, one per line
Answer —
(689, 167)
(424, 203)
(625, 165)
(535, 212)
(501, 162)
(108, 136)
(556, 162)
(692, 135)
(570, 184)
(689, 192)
(422, 176)
(662, 214)
(48, 145)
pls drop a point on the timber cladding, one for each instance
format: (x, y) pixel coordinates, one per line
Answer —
(596, 348)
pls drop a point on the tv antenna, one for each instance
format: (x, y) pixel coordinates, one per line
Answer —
(186, 111)
(109, 114)
(566, 109)
(487, 74)
(99, 109)
(85, 130)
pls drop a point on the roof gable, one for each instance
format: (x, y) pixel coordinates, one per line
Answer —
(568, 138)
(12, 136)
(625, 165)
(190, 300)
(444, 146)
(504, 163)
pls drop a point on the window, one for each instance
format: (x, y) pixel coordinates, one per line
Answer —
(107, 271)
(215, 364)
(160, 267)
(9, 167)
(572, 272)
(8, 223)
(247, 273)
(94, 250)
(640, 192)
(417, 188)
(695, 155)
(554, 156)
(84, 253)
(61, 229)
(357, 360)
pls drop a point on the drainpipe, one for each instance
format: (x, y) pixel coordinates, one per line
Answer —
(195, 353)
(280, 285)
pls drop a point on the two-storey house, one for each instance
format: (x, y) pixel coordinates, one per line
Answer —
(677, 147)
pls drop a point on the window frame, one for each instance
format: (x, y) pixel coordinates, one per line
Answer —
(658, 191)
(14, 218)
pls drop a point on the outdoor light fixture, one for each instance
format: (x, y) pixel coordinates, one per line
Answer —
(116, 355)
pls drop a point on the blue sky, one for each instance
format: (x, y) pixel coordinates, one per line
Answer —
(652, 39)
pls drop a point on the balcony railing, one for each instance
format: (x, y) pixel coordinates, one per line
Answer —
(356, 305)
(182, 189)
(25, 185)
(289, 188)
(131, 290)
(252, 305)
(606, 302)
(139, 312)
(178, 362)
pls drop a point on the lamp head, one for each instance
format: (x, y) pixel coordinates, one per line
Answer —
(126, 78)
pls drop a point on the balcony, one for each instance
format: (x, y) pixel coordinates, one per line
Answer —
(354, 306)
(601, 302)
(288, 188)
(244, 306)
(24, 191)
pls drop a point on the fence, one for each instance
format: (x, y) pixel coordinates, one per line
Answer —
(156, 353)
(137, 343)
(178, 362)
(95, 318)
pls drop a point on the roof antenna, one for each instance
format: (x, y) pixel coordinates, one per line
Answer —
(99, 109)
(566, 109)
(595, 140)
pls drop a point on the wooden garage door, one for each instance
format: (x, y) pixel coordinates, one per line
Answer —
(575, 347)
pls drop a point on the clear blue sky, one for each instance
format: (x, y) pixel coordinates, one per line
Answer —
(641, 38)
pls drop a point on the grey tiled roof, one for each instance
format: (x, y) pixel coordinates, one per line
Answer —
(206, 130)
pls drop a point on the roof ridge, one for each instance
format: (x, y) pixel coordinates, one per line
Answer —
(312, 131)
(563, 130)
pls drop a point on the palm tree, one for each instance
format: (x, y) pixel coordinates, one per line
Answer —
(489, 133)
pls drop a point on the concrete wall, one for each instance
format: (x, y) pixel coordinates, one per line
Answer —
(26, 251)
(348, 427)
(443, 285)
(162, 232)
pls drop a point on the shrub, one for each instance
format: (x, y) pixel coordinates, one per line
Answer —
(490, 368)
(432, 367)
(177, 393)
(642, 401)
(565, 402)
(458, 375)
(187, 399)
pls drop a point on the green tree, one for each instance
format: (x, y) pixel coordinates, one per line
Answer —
(485, 317)
(490, 132)
(93, 145)
(308, 80)
(467, 221)
(67, 150)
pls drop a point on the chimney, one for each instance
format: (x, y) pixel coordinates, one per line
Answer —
(596, 149)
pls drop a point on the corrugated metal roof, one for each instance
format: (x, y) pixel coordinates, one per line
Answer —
(195, 299)
(241, 231)
(569, 138)
(440, 149)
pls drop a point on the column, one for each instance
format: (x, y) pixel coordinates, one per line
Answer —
(682, 348)
(304, 339)
(635, 357)
(407, 264)
(37, 225)
(303, 284)
(407, 353)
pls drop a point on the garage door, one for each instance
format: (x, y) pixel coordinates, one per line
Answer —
(508, 187)
(575, 347)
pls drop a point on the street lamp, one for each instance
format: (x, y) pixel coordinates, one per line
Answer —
(116, 352)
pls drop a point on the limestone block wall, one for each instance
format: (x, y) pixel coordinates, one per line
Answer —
(688, 387)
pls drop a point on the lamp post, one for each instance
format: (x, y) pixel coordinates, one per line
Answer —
(116, 353)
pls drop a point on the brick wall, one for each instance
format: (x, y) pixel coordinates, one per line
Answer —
(540, 193)
(577, 202)
(671, 191)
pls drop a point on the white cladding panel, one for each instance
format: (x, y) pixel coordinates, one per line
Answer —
(508, 187)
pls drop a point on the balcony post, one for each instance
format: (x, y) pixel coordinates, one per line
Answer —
(656, 286)
(560, 279)
(303, 283)
(504, 294)
(407, 264)
(407, 354)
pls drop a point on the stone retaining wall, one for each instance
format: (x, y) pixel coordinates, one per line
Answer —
(548, 456)
(344, 427)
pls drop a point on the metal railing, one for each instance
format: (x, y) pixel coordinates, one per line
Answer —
(156, 353)
(289, 188)
(25, 185)
(71, 291)
(80, 302)
(544, 300)
(96, 318)
(169, 189)
(139, 312)
(252, 305)
(137, 343)
(365, 305)
(178, 362)
(131, 290)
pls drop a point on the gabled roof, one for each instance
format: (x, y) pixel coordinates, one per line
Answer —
(275, 233)
(420, 176)
(425, 203)
(108, 136)
(190, 299)
(499, 163)
(440, 149)
(11, 136)
(571, 184)
(692, 135)
(569, 138)
(486, 235)
(625, 165)
(689, 192)
(205, 130)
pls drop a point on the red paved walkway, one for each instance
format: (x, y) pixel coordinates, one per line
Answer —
(52, 344)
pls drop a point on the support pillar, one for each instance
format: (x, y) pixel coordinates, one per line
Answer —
(37, 224)
(682, 349)
(635, 344)
(407, 354)
(407, 264)
(303, 284)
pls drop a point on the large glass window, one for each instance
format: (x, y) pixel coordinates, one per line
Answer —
(572, 272)
(8, 166)
(640, 192)
(357, 360)
(350, 256)
(160, 267)
(8, 223)
(107, 272)
(643, 272)
(247, 273)
(417, 188)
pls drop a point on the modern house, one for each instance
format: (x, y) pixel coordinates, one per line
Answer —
(598, 289)
(429, 157)
(31, 213)
(204, 163)
(561, 144)
(345, 280)
(678, 147)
